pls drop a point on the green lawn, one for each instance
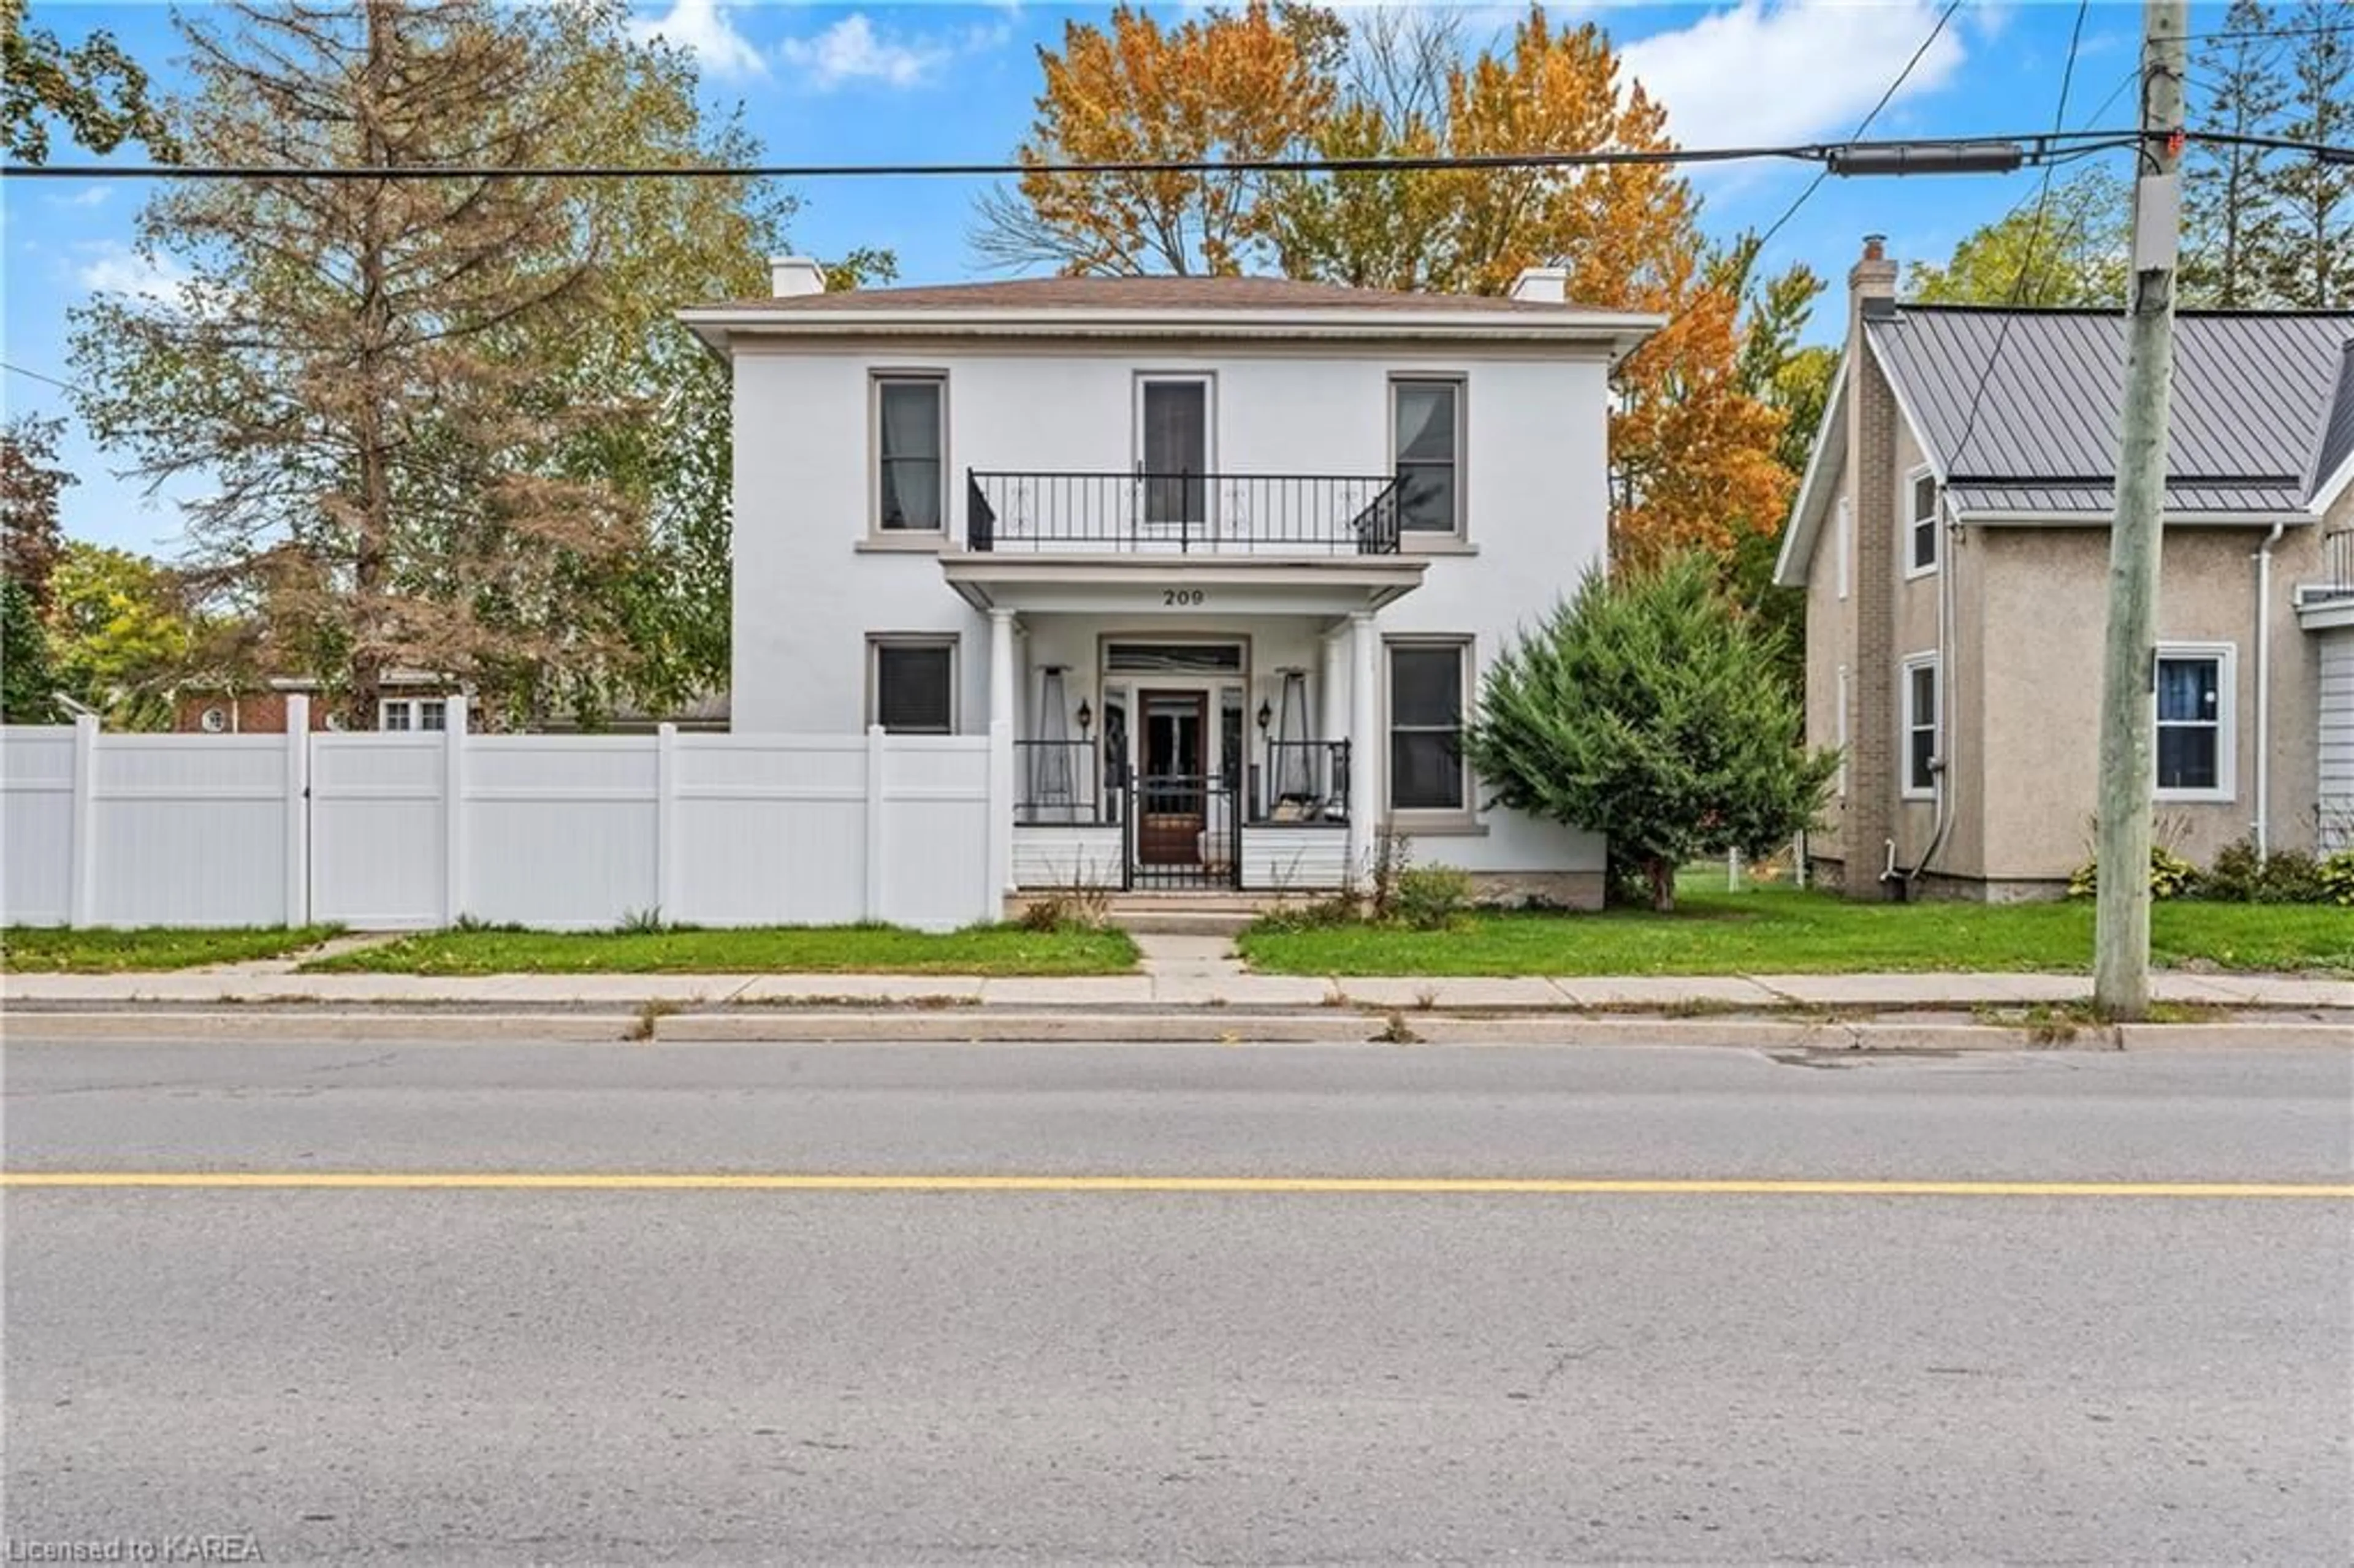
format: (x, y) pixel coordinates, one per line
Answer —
(791, 950)
(51, 949)
(1786, 931)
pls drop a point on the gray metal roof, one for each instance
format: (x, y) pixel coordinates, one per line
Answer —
(2257, 396)
(2337, 439)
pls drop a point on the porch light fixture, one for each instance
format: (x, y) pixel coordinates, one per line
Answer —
(1266, 715)
(1086, 718)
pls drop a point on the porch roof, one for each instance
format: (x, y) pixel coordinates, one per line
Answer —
(1206, 585)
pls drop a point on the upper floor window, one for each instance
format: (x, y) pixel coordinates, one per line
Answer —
(2194, 724)
(911, 426)
(1921, 552)
(412, 714)
(1426, 440)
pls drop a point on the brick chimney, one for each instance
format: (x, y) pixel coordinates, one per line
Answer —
(1870, 490)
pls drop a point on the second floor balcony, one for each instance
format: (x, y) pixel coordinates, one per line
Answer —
(1183, 513)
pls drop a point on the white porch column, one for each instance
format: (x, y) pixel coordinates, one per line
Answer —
(1332, 701)
(1000, 667)
(1364, 740)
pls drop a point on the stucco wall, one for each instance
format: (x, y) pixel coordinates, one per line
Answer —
(2045, 603)
(806, 596)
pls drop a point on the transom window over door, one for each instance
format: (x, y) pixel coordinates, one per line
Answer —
(1172, 447)
(1426, 438)
(1426, 770)
(910, 486)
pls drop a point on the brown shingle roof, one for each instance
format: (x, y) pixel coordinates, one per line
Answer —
(1142, 293)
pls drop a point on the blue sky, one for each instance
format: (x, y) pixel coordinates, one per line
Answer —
(943, 82)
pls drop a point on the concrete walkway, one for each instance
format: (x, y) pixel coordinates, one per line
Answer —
(1177, 973)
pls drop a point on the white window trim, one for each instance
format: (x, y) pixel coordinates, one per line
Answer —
(1431, 820)
(878, 538)
(1845, 542)
(1907, 724)
(413, 710)
(879, 641)
(2227, 720)
(1409, 541)
(1913, 523)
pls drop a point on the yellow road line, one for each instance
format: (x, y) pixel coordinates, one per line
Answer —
(727, 1181)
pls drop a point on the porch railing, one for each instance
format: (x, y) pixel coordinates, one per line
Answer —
(1060, 783)
(1183, 514)
(2337, 565)
(1305, 781)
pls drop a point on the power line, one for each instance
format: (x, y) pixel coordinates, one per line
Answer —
(37, 376)
(1862, 126)
(2327, 29)
(2027, 253)
(1588, 158)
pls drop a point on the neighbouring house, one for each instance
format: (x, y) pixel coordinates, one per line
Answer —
(1225, 556)
(1953, 538)
(412, 700)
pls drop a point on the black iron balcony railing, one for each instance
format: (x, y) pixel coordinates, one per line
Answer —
(1305, 781)
(1236, 514)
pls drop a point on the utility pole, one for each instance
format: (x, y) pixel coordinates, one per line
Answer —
(2129, 669)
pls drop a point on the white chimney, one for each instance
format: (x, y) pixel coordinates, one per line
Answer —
(1543, 285)
(792, 275)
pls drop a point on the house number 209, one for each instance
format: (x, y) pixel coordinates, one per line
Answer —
(1182, 595)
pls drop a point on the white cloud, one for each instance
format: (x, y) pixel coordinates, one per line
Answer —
(114, 268)
(851, 50)
(704, 27)
(1789, 71)
(88, 196)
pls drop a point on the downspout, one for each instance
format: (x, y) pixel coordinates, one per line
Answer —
(2262, 824)
(1941, 767)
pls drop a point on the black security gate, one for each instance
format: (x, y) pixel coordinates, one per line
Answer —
(1184, 832)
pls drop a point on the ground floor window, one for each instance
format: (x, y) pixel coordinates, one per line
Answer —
(911, 684)
(405, 713)
(1427, 678)
(1921, 725)
(2194, 702)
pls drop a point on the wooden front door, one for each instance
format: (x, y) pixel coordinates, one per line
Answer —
(1172, 778)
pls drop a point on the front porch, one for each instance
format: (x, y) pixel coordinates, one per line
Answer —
(1157, 745)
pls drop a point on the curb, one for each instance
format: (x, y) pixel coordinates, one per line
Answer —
(1191, 1027)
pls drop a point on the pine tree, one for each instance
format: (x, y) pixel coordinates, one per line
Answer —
(341, 366)
(2231, 197)
(2317, 267)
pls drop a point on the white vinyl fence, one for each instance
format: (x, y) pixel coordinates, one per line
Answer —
(391, 831)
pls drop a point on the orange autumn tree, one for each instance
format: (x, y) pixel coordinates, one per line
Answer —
(1230, 86)
(1694, 440)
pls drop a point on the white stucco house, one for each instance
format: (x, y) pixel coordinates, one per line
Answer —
(1220, 560)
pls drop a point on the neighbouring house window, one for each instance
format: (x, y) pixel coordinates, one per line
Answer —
(1924, 516)
(910, 441)
(912, 685)
(412, 714)
(2194, 738)
(1427, 439)
(1920, 725)
(1845, 544)
(1427, 768)
(1840, 728)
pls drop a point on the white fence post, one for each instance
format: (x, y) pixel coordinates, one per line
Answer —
(1000, 817)
(874, 903)
(298, 809)
(453, 812)
(666, 878)
(82, 887)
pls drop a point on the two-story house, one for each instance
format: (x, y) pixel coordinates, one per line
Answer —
(1223, 557)
(1953, 538)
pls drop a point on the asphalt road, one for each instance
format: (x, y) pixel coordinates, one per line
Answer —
(624, 1373)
